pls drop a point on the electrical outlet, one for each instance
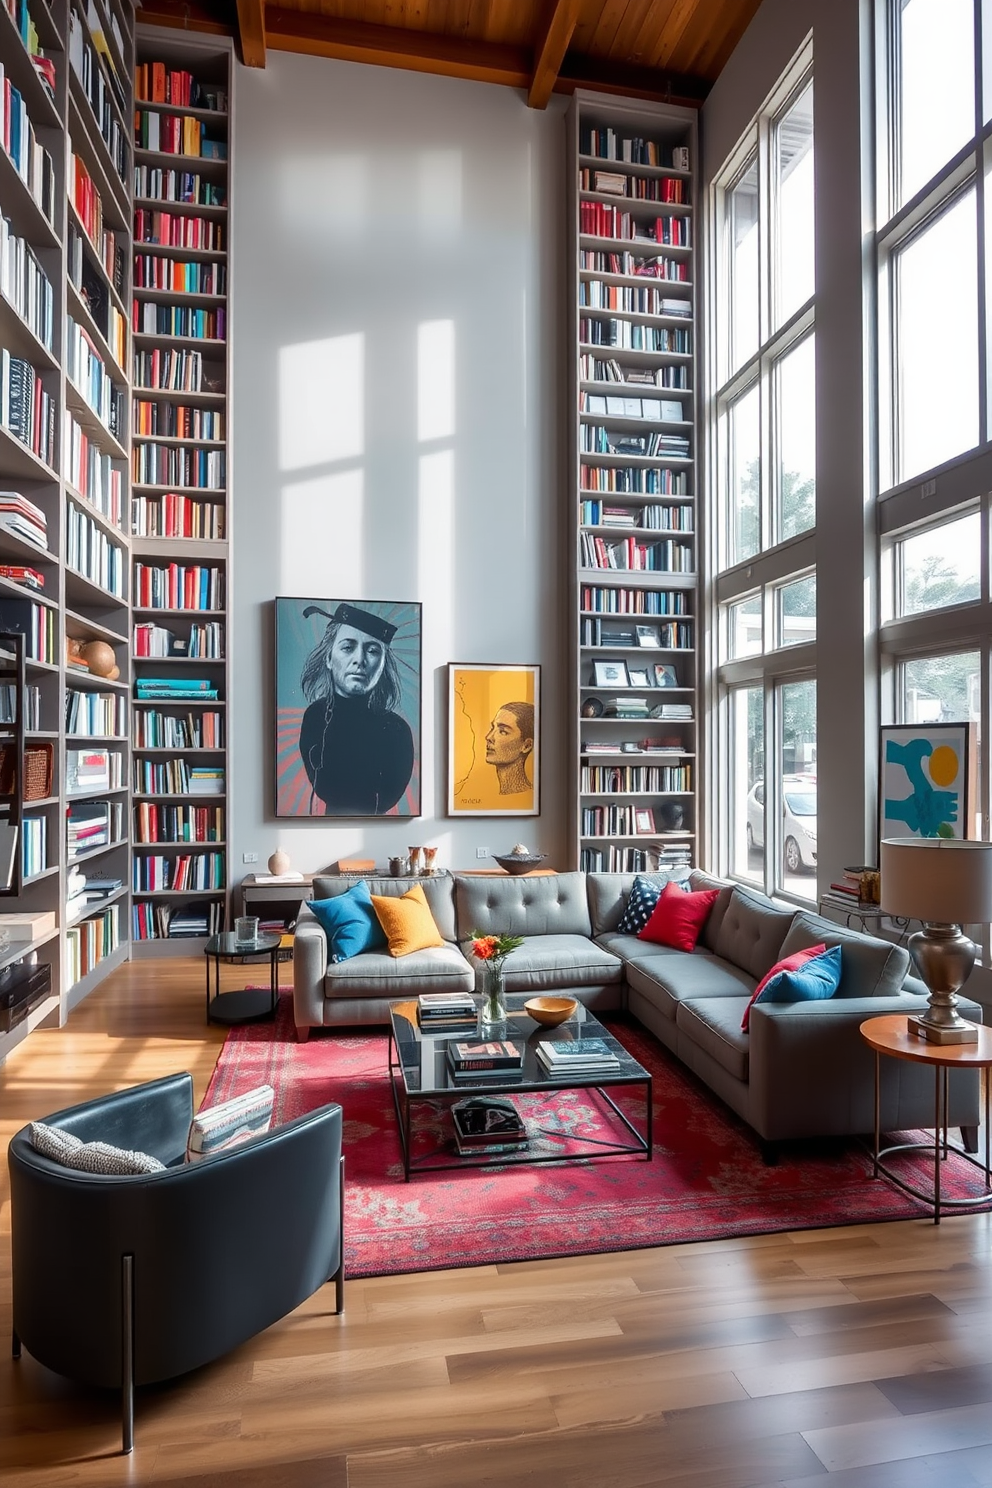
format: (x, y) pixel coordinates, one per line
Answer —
(482, 852)
(249, 857)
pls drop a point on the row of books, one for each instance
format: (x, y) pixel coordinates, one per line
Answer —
(82, 270)
(89, 376)
(35, 622)
(95, 714)
(632, 335)
(173, 230)
(86, 64)
(156, 730)
(90, 552)
(27, 409)
(596, 369)
(174, 689)
(175, 420)
(666, 556)
(88, 943)
(151, 319)
(204, 642)
(90, 770)
(25, 285)
(597, 439)
(629, 779)
(178, 777)
(618, 821)
(672, 635)
(178, 465)
(176, 134)
(606, 144)
(174, 515)
(93, 824)
(156, 82)
(88, 205)
(28, 155)
(597, 220)
(178, 823)
(152, 183)
(179, 371)
(652, 518)
(178, 586)
(34, 845)
(91, 471)
(633, 602)
(153, 272)
(632, 299)
(160, 922)
(614, 859)
(663, 410)
(634, 480)
(639, 188)
(30, 703)
(181, 873)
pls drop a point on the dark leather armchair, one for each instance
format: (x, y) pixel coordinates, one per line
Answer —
(129, 1281)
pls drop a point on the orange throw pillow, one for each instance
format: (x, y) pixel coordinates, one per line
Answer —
(407, 921)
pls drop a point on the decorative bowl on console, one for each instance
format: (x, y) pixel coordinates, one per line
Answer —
(550, 1011)
(519, 859)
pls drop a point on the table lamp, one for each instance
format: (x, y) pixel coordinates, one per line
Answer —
(946, 883)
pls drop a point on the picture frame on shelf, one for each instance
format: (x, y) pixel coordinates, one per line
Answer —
(638, 677)
(494, 728)
(644, 821)
(610, 674)
(347, 708)
(648, 636)
(928, 780)
(665, 675)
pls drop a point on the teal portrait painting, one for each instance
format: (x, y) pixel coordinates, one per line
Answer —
(348, 700)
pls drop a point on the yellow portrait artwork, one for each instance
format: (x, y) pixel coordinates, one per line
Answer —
(493, 740)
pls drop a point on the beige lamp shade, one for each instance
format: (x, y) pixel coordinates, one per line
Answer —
(947, 881)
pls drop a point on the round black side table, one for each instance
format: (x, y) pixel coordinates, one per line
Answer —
(251, 1002)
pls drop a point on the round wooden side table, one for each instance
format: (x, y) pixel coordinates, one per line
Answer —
(890, 1035)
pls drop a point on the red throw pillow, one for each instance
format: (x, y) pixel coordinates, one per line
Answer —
(678, 917)
(791, 963)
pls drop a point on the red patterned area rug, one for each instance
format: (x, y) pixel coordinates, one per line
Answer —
(706, 1179)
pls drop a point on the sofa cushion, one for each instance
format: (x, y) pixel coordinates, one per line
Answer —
(349, 922)
(871, 967)
(645, 892)
(608, 893)
(714, 1025)
(752, 931)
(545, 962)
(69, 1151)
(699, 880)
(407, 921)
(438, 890)
(782, 969)
(678, 917)
(554, 904)
(667, 980)
(377, 974)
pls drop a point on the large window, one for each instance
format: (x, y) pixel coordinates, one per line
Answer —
(763, 496)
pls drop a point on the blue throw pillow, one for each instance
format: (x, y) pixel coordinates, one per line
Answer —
(640, 906)
(810, 982)
(350, 923)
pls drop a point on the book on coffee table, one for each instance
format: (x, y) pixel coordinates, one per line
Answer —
(582, 1057)
(487, 1123)
(472, 1058)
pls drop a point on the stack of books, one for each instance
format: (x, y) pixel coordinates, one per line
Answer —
(439, 1012)
(627, 707)
(21, 517)
(206, 780)
(563, 1059)
(173, 689)
(487, 1124)
(682, 711)
(470, 1060)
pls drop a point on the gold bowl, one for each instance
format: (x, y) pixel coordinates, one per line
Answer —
(550, 1011)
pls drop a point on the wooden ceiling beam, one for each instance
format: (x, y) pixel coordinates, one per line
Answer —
(392, 46)
(251, 32)
(638, 82)
(549, 53)
(185, 17)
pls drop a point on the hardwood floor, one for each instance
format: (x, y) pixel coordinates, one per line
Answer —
(847, 1358)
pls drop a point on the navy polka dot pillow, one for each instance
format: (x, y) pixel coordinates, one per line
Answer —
(643, 898)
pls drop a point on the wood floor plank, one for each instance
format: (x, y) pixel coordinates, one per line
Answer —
(899, 1440)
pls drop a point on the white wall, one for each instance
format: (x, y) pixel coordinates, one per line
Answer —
(366, 203)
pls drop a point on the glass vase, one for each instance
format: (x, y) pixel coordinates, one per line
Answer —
(493, 1001)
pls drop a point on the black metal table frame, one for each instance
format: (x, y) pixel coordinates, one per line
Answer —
(641, 1145)
(248, 1003)
(941, 1146)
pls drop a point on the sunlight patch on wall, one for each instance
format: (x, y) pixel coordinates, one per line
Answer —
(435, 379)
(322, 537)
(321, 401)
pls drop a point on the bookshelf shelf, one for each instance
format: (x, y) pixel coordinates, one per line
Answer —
(603, 130)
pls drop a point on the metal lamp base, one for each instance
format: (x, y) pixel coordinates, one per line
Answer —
(944, 957)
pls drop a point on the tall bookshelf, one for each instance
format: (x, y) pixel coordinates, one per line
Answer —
(64, 458)
(180, 485)
(633, 483)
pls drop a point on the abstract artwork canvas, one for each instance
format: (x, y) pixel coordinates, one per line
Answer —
(348, 691)
(927, 780)
(494, 717)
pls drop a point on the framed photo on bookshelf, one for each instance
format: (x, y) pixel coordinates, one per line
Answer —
(648, 635)
(347, 706)
(644, 821)
(610, 673)
(638, 677)
(928, 780)
(494, 729)
(665, 675)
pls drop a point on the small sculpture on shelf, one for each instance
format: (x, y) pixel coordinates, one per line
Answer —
(100, 658)
(279, 862)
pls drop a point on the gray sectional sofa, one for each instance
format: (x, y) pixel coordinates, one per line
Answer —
(802, 1069)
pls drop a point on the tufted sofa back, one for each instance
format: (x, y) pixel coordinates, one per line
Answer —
(553, 904)
(437, 890)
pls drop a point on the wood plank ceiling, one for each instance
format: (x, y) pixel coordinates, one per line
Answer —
(668, 49)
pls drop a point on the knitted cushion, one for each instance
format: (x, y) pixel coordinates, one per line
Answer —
(89, 1157)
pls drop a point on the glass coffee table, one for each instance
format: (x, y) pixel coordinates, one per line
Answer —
(420, 1075)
